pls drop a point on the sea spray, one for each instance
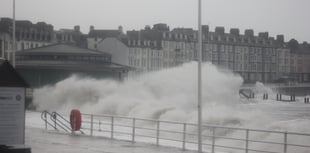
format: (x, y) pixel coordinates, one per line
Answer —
(171, 94)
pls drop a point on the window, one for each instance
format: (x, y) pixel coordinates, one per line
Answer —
(23, 46)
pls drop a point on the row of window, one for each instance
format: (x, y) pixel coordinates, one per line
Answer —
(28, 45)
(146, 63)
(64, 37)
(212, 37)
(151, 53)
(90, 59)
(40, 36)
(222, 48)
(214, 55)
(177, 36)
(143, 43)
(259, 77)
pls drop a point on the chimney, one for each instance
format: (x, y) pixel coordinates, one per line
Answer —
(120, 29)
(234, 31)
(91, 28)
(220, 30)
(205, 28)
(249, 32)
(77, 28)
(263, 35)
(280, 38)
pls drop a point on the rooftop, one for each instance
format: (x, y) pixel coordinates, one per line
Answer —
(9, 77)
(61, 49)
(104, 33)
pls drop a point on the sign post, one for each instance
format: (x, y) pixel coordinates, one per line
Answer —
(12, 115)
(12, 108)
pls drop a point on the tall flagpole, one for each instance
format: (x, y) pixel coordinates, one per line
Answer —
(14, 39)
(199, 77)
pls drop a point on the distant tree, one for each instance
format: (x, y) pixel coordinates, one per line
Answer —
(306, 46)
(305, 43)
(293, 44)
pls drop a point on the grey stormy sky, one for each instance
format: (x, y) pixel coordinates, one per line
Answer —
(288, 17)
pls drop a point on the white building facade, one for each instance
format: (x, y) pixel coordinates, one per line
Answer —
(255, 58)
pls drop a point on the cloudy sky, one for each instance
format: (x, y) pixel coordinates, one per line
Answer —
(288, 17)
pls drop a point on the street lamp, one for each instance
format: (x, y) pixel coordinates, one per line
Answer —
(199, 77)
(14, 41)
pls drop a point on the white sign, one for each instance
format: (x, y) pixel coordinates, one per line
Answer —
(12, 116)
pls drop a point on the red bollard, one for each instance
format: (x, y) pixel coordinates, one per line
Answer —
(75, 119)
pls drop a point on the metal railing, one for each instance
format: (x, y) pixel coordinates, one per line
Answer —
(56, 121)
(184, 135)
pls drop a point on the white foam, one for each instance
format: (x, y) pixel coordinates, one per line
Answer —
(171, 94)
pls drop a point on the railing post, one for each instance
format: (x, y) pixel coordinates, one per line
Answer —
(213, 139)
(45, 119)
(247, 141)
(133, 129)
(157, 132)
(54, 117)
(91, 124)
(184, 136)
(112, 126)
(285, 142)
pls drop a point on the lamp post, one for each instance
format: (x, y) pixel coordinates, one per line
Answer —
(199, 77)
(14, 40)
